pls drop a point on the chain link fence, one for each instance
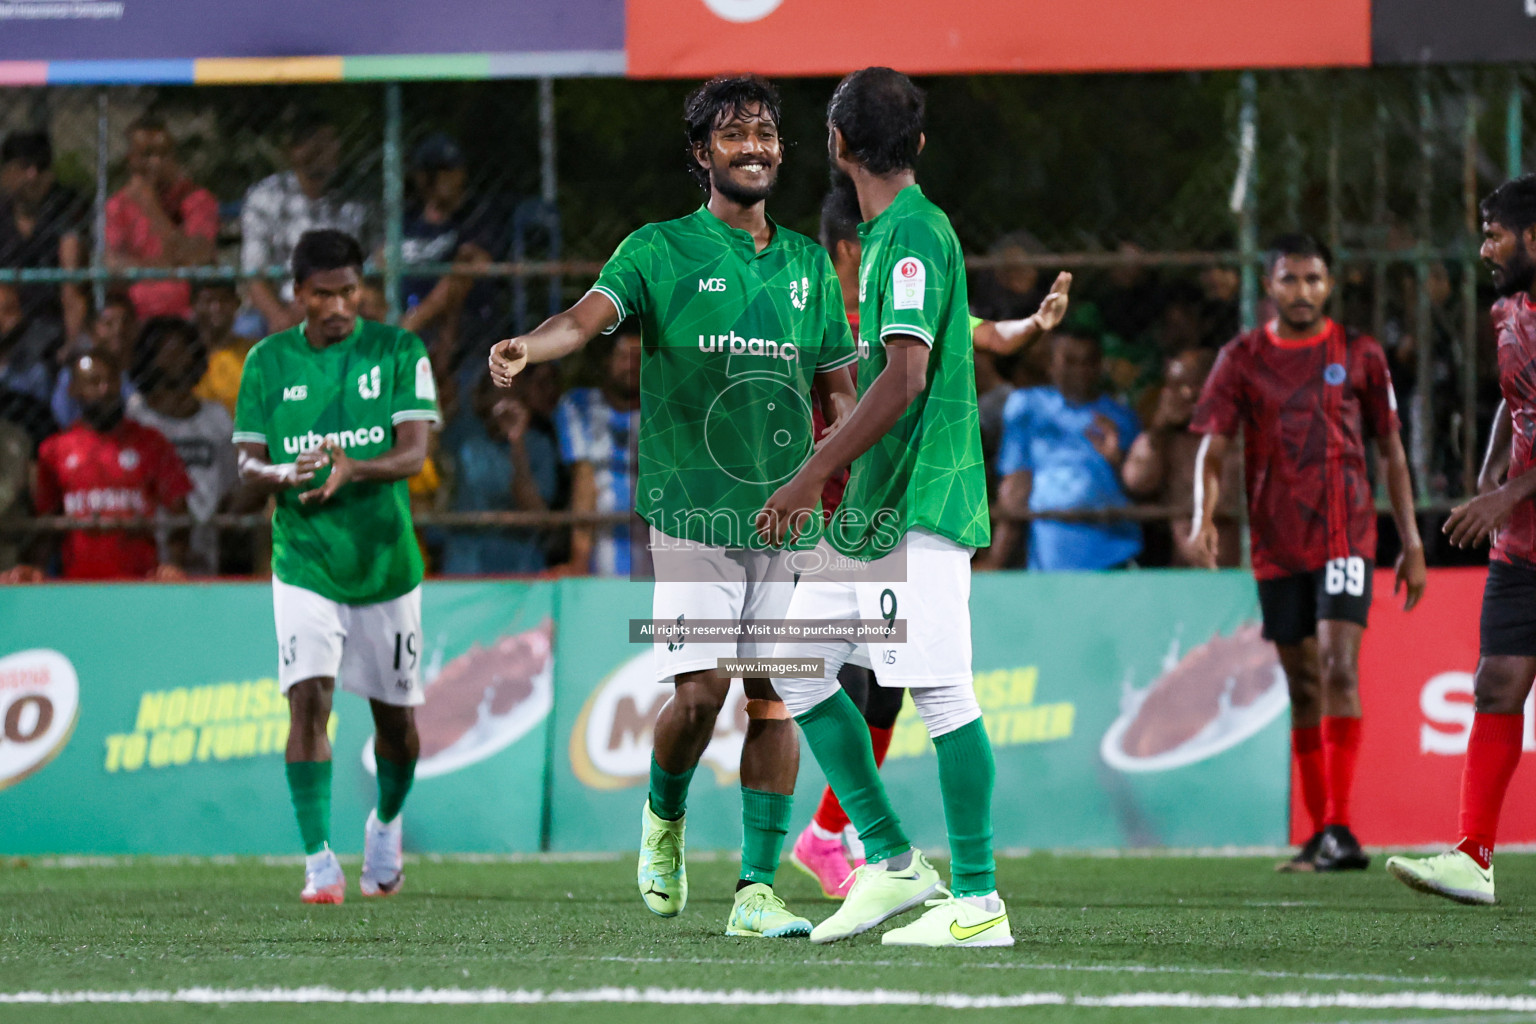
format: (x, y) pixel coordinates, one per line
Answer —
(485, 206)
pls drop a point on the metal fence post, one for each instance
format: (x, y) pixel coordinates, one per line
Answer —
(394, 198)
(1513, 126)
(1243, 196)
(99, 243)
(548, 180)
(1423, 324)
(1469, 425)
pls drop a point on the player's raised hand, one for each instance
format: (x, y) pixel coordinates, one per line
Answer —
(790, 510)
(1471, 522)
(508, 358)
(1411, 574)
(343, 467)
(1053, 308)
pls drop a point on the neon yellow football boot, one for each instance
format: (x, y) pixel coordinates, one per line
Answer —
(662, 875)
(952, 921)
(759, 913)
(877, 895)
(1452, 874)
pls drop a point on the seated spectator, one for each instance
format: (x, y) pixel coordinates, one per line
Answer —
(214, 305)
(1221, 288)
(499, 464)
(446, 225)
(280, 208)
(599, 429)
(113, 330)
(26, 348)
(1160, 466)
(159, 219)
(42, 226)
(169, 361)
(106, 467)
(1063, 445)
(15, 472)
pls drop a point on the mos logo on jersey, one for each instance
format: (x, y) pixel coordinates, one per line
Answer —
(296, 393)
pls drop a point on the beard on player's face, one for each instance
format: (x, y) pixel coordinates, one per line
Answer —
(1516, 274)
(741, 193)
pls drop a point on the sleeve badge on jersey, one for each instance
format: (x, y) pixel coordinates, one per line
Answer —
(426, 387)
(1334, 374)
(908, 280)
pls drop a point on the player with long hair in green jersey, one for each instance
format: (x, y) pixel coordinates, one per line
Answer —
(332, 418)
(740, 318)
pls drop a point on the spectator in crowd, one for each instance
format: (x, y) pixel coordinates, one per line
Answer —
(1011, 290)
(1132, 300)
(214, 305)
(169, 361)
(15, 473)
(1063, 446)
(1160, 466)
(26, 348)
(114, 329)
(599, 429)
(1221, 289)
(159, 219)
(454, 314)
(280, 208)
(498, 464)
(107, 467)
(42, 227)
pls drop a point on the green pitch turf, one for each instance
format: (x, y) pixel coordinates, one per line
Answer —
(1086, 928)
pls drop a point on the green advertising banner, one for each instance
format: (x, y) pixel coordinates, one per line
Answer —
(147, 720)
(1127, 709)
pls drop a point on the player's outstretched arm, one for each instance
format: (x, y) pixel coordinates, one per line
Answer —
(1204, 540)
(1410, 564)
(264, 477)
(1006, 337)
(888, 396)
(555, 338)
(1496, 459)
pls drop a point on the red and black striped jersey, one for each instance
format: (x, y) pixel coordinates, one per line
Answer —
(1305, 408)
(1514, 322)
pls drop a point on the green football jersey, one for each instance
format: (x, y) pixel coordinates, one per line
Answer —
(358, 547)
(731, 340)
(927, 471)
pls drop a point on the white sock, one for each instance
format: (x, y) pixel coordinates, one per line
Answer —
(825, 835)
(990, 902)
(853, 844)
(316, 861)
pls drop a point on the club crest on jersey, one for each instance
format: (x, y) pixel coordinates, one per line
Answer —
(800, 292)
(908, 280)
(128, 459)
(368, 384)
(1334, 374)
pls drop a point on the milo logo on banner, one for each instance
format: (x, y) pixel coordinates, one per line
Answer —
(39, 705)
(611, 743)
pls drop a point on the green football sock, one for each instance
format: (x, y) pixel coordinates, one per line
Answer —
(839, 738)
(966, 777)
(394, 783)
(669, 792)
(764, 824)
(310, 784)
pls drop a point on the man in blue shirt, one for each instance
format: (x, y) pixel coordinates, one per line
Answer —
(1063, 445)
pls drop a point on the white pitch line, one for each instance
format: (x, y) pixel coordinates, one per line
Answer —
(793, 997)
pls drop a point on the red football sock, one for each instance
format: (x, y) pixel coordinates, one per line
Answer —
(1341, 749)
(1307, 745)
(829, 813)
(1493, 751)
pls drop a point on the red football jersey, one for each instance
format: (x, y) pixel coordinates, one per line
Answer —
(130, 472)
(1305, 409)
(1514, 320)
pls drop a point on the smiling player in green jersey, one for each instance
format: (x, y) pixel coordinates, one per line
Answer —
(740, 319)
(901, 542)
(332, 418)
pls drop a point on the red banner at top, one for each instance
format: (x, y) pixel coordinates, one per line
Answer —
(699, 38)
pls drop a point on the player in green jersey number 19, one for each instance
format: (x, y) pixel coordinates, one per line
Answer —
(740, 319)
(900, 543)
(332, 418)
